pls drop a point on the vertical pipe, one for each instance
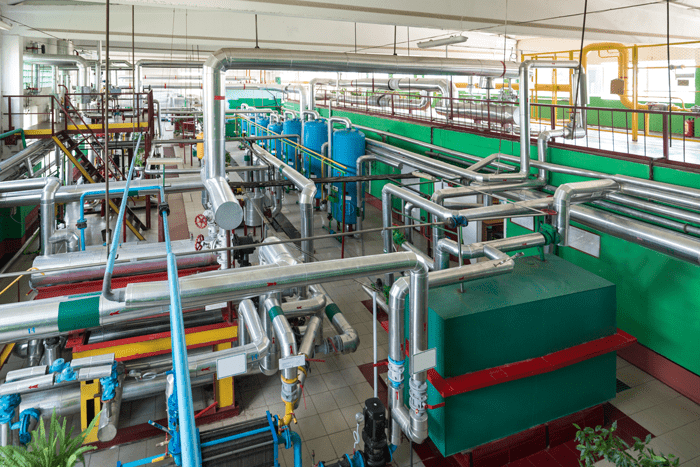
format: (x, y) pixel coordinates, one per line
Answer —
(106, 126)
(374, 338)
(191, 456)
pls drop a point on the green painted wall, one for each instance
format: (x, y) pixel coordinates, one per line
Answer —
(657, 296)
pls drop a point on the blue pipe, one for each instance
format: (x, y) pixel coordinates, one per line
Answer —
(191, 454)
(291, 438)
(234, 437)
(107, 281)
(101, 192)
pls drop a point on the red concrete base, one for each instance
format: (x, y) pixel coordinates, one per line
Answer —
(663, 369)
(145, 431)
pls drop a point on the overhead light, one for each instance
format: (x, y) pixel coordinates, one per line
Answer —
(5, 26)
(440, 42)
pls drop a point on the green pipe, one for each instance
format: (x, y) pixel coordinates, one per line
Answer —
(14, 132)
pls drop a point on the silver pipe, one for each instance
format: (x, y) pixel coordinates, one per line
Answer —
(345, 121)
(494, 112)
(52, 350)
(48, 213)
(542, 142)
(20, 157)
(305, 307)
(24, 373)
(673, 244)
(447, 247)
(255, 351)
(415, 424)
(72, 193)
(347, 340)
(360, 186)
(569, 191)
(408, 246)
(62, 61)
(160, 64)
(307, 193)
(109, 416)
(646, 217)
(524, 107)
(65, 401)
(685, 216)
(143, 259)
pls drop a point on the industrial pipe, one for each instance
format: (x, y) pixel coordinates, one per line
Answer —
(568, 192)
(48, 213)
(62, 61)
(307, 193)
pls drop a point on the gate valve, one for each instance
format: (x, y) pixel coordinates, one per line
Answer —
(201, 221)
(199, 243)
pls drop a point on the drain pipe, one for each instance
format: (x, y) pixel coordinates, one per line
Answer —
(48, 213)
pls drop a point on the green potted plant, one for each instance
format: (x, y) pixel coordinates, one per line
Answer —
(602, 443)
(58, 449)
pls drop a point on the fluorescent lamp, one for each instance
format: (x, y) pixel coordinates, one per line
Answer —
(439, 42)
(5, 26)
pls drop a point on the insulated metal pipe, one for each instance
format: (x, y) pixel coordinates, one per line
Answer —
(307, 193)
(62, 61)
(160, 64)
(30, 151)
(48, 213)
(674, 244)
(447, 247)
(415, 424)
(568, 192)
(347, 340)
(109, 416)
(143, 259)
(542, 142)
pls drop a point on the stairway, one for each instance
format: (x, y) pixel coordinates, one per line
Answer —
(92, 174)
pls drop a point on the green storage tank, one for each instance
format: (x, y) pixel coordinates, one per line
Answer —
(538, 309)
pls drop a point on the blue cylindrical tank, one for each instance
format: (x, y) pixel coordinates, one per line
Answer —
(315, 134)
(250, 127)
(276, 144)
(347, 147)
(244, 126)
(290, 127)
(263, 122)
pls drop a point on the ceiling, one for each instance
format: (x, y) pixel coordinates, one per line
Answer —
(176, 27)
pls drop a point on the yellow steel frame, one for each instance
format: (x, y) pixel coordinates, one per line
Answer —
(89, 397)
(224, 387)
(162, 344)
(5, 354)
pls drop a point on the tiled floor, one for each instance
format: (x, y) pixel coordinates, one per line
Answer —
(336, 388)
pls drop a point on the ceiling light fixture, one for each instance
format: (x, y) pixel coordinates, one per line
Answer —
(440, 42)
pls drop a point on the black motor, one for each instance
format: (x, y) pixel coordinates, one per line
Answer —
(243, 254)
(376, 451)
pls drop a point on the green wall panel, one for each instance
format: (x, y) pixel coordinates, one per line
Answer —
(656, 297)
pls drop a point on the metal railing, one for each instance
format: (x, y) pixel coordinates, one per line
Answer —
(663, 137)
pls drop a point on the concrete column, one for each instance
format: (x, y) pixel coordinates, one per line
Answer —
(11, 71)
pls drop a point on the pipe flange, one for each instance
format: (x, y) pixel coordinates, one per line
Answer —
(418, 395)
(395, 373)
(290, 392)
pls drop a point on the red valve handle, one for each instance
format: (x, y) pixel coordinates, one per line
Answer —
(199, 243)
(200, 221)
